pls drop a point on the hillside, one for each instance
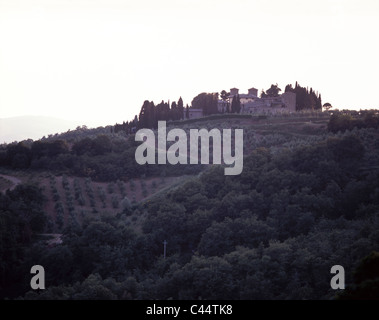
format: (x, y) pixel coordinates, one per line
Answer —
(305, 201)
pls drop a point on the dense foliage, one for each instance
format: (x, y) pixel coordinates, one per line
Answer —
(102, 158)
(150, 113)
(207, 102)
(271, 92)
(300, 206)
(21, 218)
(305, 98)
(348, 120)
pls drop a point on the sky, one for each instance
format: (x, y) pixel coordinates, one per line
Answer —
(96, 61)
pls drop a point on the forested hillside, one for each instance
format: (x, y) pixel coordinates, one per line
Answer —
(307, 199)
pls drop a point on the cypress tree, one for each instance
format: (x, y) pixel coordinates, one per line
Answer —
(180, 108)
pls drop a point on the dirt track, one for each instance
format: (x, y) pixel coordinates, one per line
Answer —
(15, 181)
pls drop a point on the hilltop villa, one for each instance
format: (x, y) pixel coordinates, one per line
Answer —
(251, 103)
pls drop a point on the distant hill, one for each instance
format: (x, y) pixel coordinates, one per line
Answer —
(306, 200)
(32, 127)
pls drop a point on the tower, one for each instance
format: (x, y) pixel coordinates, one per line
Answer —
(253, 92)
(233, 91)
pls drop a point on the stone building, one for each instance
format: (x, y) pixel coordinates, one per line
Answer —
(251, 103)
(193, 113)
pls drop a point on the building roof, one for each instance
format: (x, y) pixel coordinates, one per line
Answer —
(244, 95)
(247, 95)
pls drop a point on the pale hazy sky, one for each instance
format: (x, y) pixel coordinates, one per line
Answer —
(97, 61)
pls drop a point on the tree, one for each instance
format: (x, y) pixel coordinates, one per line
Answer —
(340, 122)
(187, 112)
(152, 116)
(289, 88)
(82, 146)
(162, 112)
(18, 155)
(236, 104)
(327, 106)
(319, 102)
(148, 115)
(101, 145)
(224, 95)
(206, 101)
(263, 94)
(57, 147)
(174, 115)
(305, 99)
(273, 91)
(180, 108)
(143, 115)
(126, 205)
(39, 149)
